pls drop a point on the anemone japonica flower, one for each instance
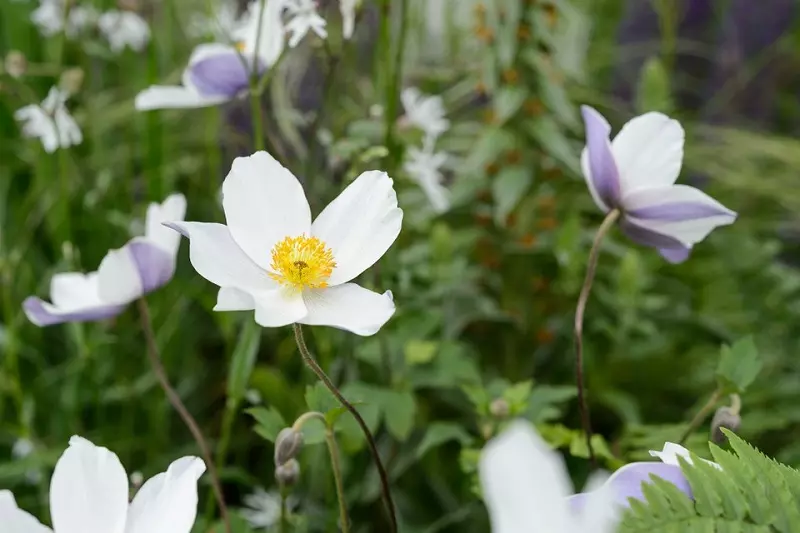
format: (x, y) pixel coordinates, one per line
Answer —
(303, 17)
(141, 266)
(636, 175)
(425, 112)
(124, 28)
(526, 488)
(89, 494)
(348, 10)
(270, 257)
(424, 167)
(50, 122)
(54, 16)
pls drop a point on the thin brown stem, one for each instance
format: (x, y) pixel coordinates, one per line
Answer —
(701, 415)
(177, 404)
(308, 359)
(336, 466)
(583, 298)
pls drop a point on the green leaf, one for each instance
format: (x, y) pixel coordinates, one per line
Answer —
(319, 398)
(243, 360)
(399, 409)
(738, 366)
(269, 422)
(653, 93)
(439, 433)
(508, 188)
(419, 352)
(488, 148)
(552, 138)
(517, 396)
(507, 101)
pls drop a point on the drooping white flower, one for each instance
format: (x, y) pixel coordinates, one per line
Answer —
(263, 509)
(348, 11)
(636, 174)
(425, 112)
(262, 33)
(424, 166)
(270, 257)
(303, 17)
(526, 488)
(50, 122)
(50, 18)
(221, 25)
(141, 266)
(89, 494)
(124, 28)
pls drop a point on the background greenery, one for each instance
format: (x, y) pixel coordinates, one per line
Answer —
(485, 293)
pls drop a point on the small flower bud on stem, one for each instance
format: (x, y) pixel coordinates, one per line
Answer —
(287, 445)
(726, 417)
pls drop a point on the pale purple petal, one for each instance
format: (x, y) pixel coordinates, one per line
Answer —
(627, 483)
(43, 313)
(670, 248)
(220, 75)
(154, 265)
(678, 211)
(601, 165)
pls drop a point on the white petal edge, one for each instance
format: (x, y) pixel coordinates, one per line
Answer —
(649, 152)
(89, 490)
(586, 168)
(167, 502)
(172, 209)
(601, 514)
(264, 203)
(524, 482)
(118, 280)
(232, 299)
(349, 307)
(75, 290)
(360, 224)
(15, 520)
(173, 97)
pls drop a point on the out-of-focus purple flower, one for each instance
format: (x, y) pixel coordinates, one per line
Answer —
(141, 266)
(636, 174)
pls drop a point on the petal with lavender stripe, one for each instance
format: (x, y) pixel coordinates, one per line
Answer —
(220, 75)
(43, 313)
(139, 267)
(627, 483)
(670, 249)
(679, 211)
(597, 161)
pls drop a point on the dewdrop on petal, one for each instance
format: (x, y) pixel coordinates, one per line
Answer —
(287, 446)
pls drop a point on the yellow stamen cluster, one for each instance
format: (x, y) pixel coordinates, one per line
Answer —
(302, 262)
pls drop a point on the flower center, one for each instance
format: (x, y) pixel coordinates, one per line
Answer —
(302, 262)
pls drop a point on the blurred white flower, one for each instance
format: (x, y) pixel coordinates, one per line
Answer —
(423, 166)
(222, 25)
(89, 493)
(49, 17)
(21, 449)
(141, 266)
(50, 122)
(425, 112)
(263, 508)
(262, 29)
(124, 28)
(526, 488)
(348, 10)
(303, 17)
(270, 257)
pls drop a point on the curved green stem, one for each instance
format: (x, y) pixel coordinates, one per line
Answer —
(702, 414)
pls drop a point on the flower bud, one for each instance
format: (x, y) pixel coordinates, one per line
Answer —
(287, 445)
(725, 417)
(499, 408)
(16, 64)
(71, 80)
(288, 473)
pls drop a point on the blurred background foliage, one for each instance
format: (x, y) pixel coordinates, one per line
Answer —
(485, 292)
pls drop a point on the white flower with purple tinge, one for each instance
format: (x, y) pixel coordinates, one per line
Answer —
(50, 122)
(303, 17)
(636, 174)
(89, 494)
(272, 259)
(50, 16)
(141, 266)
(425, 112)
(526, 488)
(124, 28)
(424, 167)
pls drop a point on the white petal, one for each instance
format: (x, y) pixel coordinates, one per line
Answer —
(649, 152)
(601, 514)
(167, 502)
(173, 97)
(118, 277)
(670, 453)
(74, 290)
(278, 307)
(173, 209)
(679, 211)
(360, 224)
(524, 482)
(89, 490)
(14, 519)
(264, 203)
(216, 257)
(349, 306)
(231, 299)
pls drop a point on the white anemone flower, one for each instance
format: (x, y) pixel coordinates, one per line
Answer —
(49, 17)
(141, 266)
(348, 11)
(424, 166)
(425, 112)
(263, 509)
(124, 28)
(268, 33)
(271, 258)
(89, 494)
(50, 122)
(526, 488)
(303, 17)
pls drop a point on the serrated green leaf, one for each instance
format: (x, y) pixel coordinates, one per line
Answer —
(739, 365)
(439, 433)
(269, 422)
